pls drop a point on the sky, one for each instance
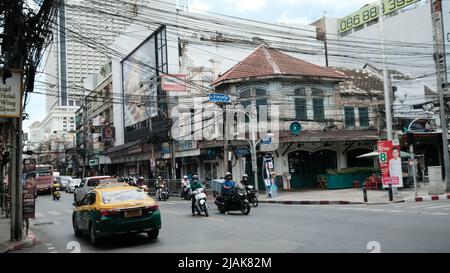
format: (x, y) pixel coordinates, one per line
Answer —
(300, 12)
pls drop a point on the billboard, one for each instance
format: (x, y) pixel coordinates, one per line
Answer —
(370, 12)
(389, 156)
(141, 78)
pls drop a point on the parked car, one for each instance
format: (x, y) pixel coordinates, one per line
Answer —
(116, 209)
(89, 183)
(63, 181)
(73, 184)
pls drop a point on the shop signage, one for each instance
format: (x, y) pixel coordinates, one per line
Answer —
(11, 95)
(108, 133)
(184, 145)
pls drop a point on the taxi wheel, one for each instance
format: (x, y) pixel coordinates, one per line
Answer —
(92, 235)
(153, 234)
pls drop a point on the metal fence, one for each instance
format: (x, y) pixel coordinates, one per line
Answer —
(174, 186)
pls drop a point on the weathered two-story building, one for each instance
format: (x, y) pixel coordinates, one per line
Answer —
(338, 112)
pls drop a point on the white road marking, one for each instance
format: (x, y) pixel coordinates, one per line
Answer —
(51, 248)
(48, 244)
(215, 219)
(169, 203)
(439, 213)
(395, 211)
(377, 210)
(54, 213)
(354, 208)
(422, 206)
(54, 252)
(441, 206)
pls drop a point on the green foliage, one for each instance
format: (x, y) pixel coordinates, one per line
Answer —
(354, 170)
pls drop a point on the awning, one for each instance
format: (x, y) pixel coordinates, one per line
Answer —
(375, 154)
(329, 135)
(127, 148)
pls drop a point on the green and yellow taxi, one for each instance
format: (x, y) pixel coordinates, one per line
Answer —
(116, 209)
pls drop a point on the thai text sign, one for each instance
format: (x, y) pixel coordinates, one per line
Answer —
(10, 96)
(390, 163)
(28, 207)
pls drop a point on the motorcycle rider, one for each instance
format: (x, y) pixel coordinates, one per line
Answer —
(195, 184)
(184, 184)
(159, 184)
(228, 187)
(54, 187)
(244, 180)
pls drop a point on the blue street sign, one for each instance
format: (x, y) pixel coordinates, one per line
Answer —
(219, 98)
(266, 141)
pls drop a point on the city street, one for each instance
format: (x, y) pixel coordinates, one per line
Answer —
(402, 227)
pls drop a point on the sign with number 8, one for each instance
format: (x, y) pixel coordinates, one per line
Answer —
(383, 157)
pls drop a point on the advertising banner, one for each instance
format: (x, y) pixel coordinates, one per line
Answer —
(29, 165)
(389, 156)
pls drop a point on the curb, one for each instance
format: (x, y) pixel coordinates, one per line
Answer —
(324, 202)
(29, 241)
(432, 198)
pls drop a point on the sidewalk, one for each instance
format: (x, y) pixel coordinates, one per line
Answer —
(343, 196)
(5, 244)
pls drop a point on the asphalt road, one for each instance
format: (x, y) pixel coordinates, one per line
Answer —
(406, 227)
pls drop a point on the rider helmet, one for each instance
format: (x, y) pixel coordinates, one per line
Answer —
(228, 175)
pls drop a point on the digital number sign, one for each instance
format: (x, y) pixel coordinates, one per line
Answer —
(369, 13)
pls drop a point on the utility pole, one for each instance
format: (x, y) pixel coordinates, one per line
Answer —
(387, 97)
(437, 16)
(443, 117)
(16, 185)
(84, 136)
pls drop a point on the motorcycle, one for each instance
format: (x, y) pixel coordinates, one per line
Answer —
(185, 192)
(251, 195)
(238, 202)
(162, 193)
(56, 194)
(201, 205)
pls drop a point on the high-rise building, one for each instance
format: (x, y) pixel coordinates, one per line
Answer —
(81, 38)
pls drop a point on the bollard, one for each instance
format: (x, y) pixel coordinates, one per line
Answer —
(391, 197)
(365, 192)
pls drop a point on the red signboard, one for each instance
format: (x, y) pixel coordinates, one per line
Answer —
(389, 156)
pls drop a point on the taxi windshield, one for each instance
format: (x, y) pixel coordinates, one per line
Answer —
(123, 196)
